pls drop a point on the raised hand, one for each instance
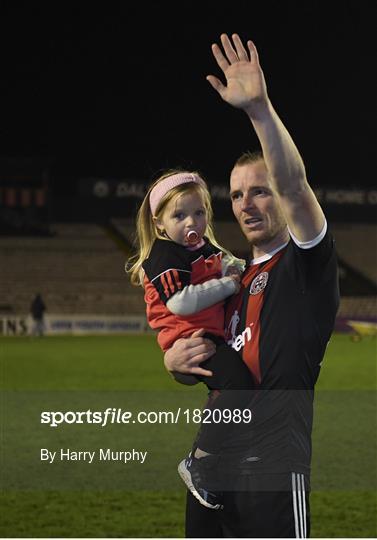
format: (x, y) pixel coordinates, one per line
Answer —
(245, 84)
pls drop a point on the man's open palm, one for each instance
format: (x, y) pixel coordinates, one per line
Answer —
(245, 82)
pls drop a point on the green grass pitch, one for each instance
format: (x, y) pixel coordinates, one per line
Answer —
(343, 501)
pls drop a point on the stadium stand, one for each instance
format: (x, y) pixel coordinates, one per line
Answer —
(357, 246)
(79, 270)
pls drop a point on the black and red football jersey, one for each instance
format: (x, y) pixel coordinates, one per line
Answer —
(280, 323)
(169, 268)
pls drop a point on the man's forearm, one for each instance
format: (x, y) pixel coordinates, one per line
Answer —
(284, 163)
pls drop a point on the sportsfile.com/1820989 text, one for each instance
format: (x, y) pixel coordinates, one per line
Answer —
(118, 416)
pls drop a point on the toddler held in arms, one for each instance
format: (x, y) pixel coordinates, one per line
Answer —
(187, 276)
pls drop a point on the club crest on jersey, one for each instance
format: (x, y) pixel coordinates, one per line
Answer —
(259, 283)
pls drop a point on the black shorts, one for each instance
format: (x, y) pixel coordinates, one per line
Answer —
(266, 506)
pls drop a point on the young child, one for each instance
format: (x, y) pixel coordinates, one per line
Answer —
(182, 268)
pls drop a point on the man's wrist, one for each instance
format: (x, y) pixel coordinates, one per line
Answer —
(258, 109)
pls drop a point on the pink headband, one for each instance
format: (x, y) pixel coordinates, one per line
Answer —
(169, 183)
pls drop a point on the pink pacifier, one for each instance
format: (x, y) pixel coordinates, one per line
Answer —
(192, 238)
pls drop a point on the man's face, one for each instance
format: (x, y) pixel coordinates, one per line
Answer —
(255, 204)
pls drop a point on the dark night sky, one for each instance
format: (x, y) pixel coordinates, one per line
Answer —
(119, 90)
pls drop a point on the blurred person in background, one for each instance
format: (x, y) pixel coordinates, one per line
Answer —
(37, 310)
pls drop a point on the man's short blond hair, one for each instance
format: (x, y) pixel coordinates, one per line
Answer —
(249, 157)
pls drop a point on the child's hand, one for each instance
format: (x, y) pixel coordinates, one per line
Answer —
(237, 281)
(231, 265)
(233, 271)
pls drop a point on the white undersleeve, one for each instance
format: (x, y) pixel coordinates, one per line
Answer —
(195, 298)
(311, 243)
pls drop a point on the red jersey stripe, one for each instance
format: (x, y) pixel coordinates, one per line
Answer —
(177, 280)
(169, 278)
(251, 351)
(165, 285)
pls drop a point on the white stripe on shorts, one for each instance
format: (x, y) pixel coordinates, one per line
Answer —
(299, 504)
